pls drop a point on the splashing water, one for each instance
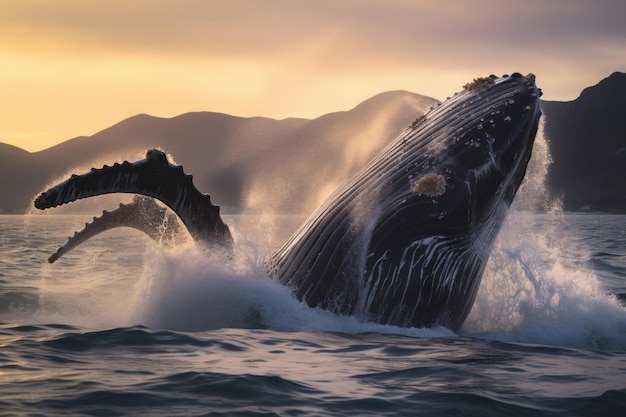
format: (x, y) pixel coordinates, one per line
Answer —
(187, 290)
(537, 287)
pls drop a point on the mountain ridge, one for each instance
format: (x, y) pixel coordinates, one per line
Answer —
(291, 164)
(588, 147)
(233, 158)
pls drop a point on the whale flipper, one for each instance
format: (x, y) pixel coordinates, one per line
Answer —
(143, 214)
(154, 177)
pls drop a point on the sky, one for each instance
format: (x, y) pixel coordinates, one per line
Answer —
(74, 67)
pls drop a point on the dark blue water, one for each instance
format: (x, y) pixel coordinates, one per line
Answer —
(120, 327)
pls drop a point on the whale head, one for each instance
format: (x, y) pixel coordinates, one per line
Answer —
(468, 157)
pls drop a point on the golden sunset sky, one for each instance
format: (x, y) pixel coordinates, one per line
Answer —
(74, 67)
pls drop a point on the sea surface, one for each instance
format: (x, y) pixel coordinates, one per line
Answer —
(122, 326)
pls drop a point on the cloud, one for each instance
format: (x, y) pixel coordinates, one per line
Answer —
(282, 58)
(258, 29)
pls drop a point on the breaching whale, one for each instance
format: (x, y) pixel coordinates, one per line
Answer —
(403, 242)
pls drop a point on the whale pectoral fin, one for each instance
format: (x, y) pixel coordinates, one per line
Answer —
(155, 177)
(142, 214)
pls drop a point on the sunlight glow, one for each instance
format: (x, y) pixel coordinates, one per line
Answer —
(72, 68)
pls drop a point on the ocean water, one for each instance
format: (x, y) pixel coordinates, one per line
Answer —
(123, 327)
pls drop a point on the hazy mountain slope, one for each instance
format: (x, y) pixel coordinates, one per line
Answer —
(259, 163)
(19, 177)
(587, 139)
(291, 165)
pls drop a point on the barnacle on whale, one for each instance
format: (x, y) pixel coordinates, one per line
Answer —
(478, 83)
(430, 185)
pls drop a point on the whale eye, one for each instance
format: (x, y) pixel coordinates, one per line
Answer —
(430, 185)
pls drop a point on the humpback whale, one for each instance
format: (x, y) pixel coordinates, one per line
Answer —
(403, 242)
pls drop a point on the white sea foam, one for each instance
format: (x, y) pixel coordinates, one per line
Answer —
(534, 290)
(190, 291)
(539, 286)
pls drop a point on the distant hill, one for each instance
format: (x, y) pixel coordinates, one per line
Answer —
(244, 163)
(19, 176)
(291, 165)
(587, 140)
